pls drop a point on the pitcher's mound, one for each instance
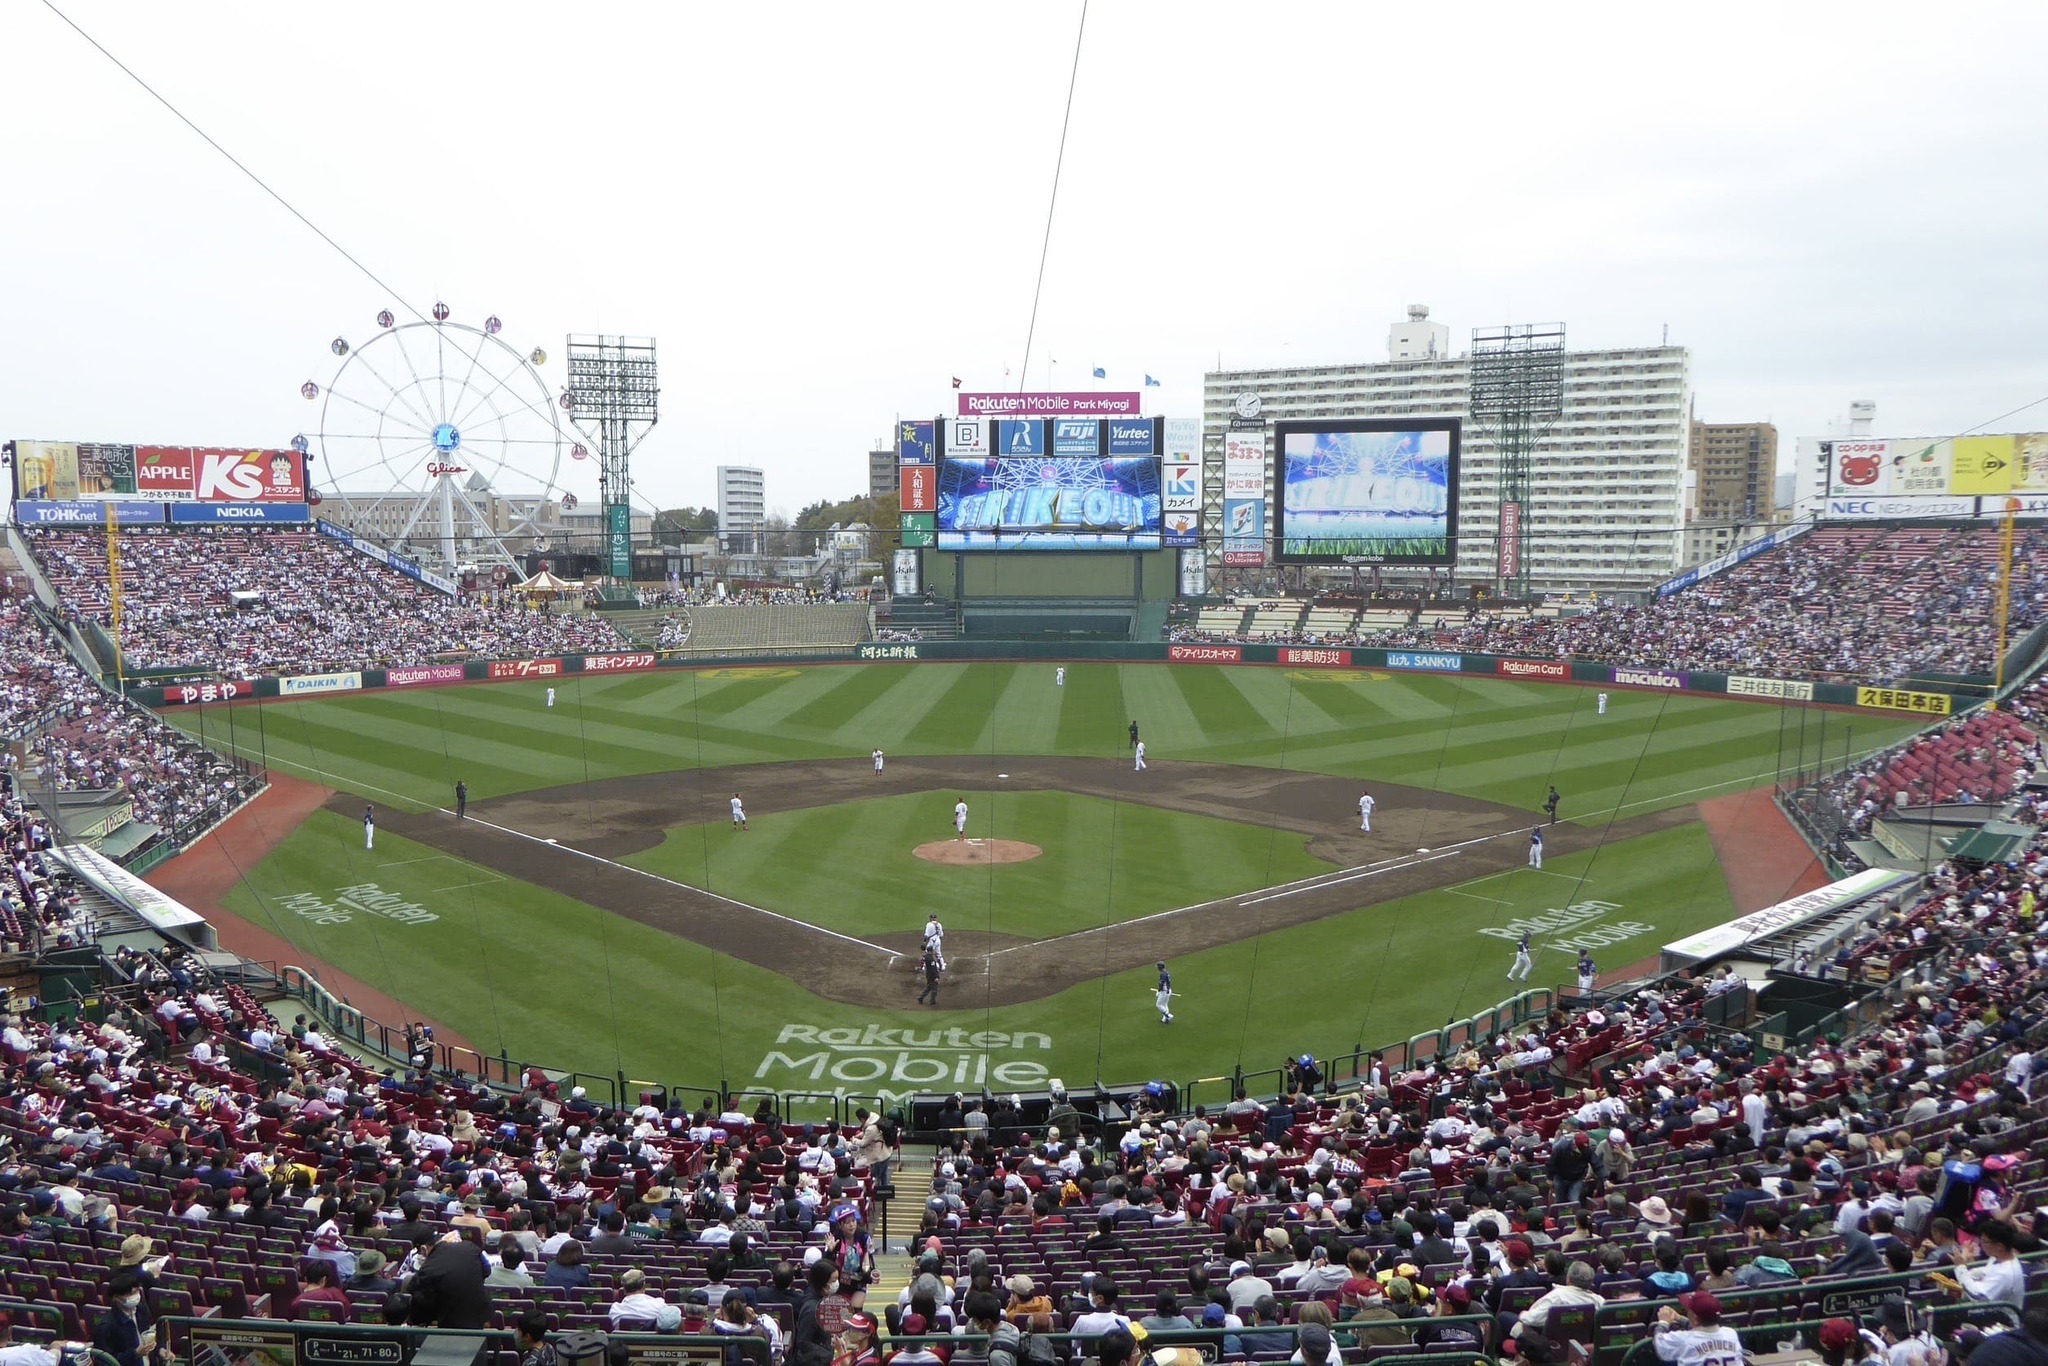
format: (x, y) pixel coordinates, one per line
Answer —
(977, 851)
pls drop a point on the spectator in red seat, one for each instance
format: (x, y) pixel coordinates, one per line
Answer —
(318, 1287)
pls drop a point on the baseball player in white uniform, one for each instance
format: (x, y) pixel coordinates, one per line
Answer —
(1536, 847)
(369, 828)
(739, 813)
(1603, 704)
(1059, 677)
(1139, 754)
(960, 819)
(1365, 806)
(878, 761)
(935, 939)
(551, 697)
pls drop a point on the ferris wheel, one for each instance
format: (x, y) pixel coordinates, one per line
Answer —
(440, 440)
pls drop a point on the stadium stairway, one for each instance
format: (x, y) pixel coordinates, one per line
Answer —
(641, 625)
(913, 1184)
(932, 620)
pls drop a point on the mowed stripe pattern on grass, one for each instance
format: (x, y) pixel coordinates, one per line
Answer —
(1494, 739)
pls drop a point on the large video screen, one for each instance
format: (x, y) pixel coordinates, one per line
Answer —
(1368, 491)
(1049, 502)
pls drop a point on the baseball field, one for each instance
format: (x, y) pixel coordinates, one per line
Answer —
(599, 909)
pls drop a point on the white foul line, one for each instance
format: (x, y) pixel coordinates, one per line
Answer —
(669, 881)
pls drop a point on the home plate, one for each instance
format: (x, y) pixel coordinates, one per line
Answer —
(1422, 851)
(1002, 775)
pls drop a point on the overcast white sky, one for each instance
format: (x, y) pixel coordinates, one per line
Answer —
(824, 211)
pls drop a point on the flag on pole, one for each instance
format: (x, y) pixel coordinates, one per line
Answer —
(1101, 373)
(1151, 383)
(956, 381)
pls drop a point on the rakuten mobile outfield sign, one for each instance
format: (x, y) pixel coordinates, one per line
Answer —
(424, 673)
(1075, 404)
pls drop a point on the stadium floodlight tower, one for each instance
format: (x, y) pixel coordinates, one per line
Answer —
(614, 399)
(1516, 394)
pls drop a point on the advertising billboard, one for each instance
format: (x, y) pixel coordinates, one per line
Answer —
(86, 472)
(1124, 403)
(1180, 481)
(1244, 498)
(1936, 467)
(915, 443)
(1048, 503)
(1368, 491)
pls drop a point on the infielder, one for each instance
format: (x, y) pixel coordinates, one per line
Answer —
(1365, 806)
(960, 819)
(935, 940)
(1536, 847)
(739, 813)
(369, 827)
(1603, 704)
(1139, 754)
(878, 761)
(551, 697)
(1524, 964)
(1162, 999)
(1059, 677)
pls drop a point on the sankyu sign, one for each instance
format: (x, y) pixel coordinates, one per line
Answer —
(1648, 678)
(319, 683)
(1743, 686)
(869, 1058)
(1127, 403)
(1428, 662)
(616, 664)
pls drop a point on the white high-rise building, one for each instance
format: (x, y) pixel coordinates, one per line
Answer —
(742, 507)
(1607, 498)
(1418, 338)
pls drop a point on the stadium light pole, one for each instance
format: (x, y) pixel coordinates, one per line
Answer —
(1516, 394)
(614, 399)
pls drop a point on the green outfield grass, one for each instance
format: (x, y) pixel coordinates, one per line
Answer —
(550, 980)
(1494, 739)
(850, 867)
(558, 982)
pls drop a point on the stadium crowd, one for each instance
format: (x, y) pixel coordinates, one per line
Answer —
(79, 737)
(307, 604)
(192, 1150)
(1863, 603)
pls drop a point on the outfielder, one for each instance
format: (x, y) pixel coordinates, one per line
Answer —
(878, 761)
(960, 819)
(1536, 847)
(369, 828)
(551, 697)
(1365, 806)
(935, 940)
(1162, 999)
(739, 813)
(1603, 704)
(1524, 964)
(1059, 677)
(1139, 753)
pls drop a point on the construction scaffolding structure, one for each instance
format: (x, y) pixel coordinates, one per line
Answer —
(1516, 395)
(614, 399)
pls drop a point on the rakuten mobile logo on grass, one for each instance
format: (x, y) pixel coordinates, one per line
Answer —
(917, 1058)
